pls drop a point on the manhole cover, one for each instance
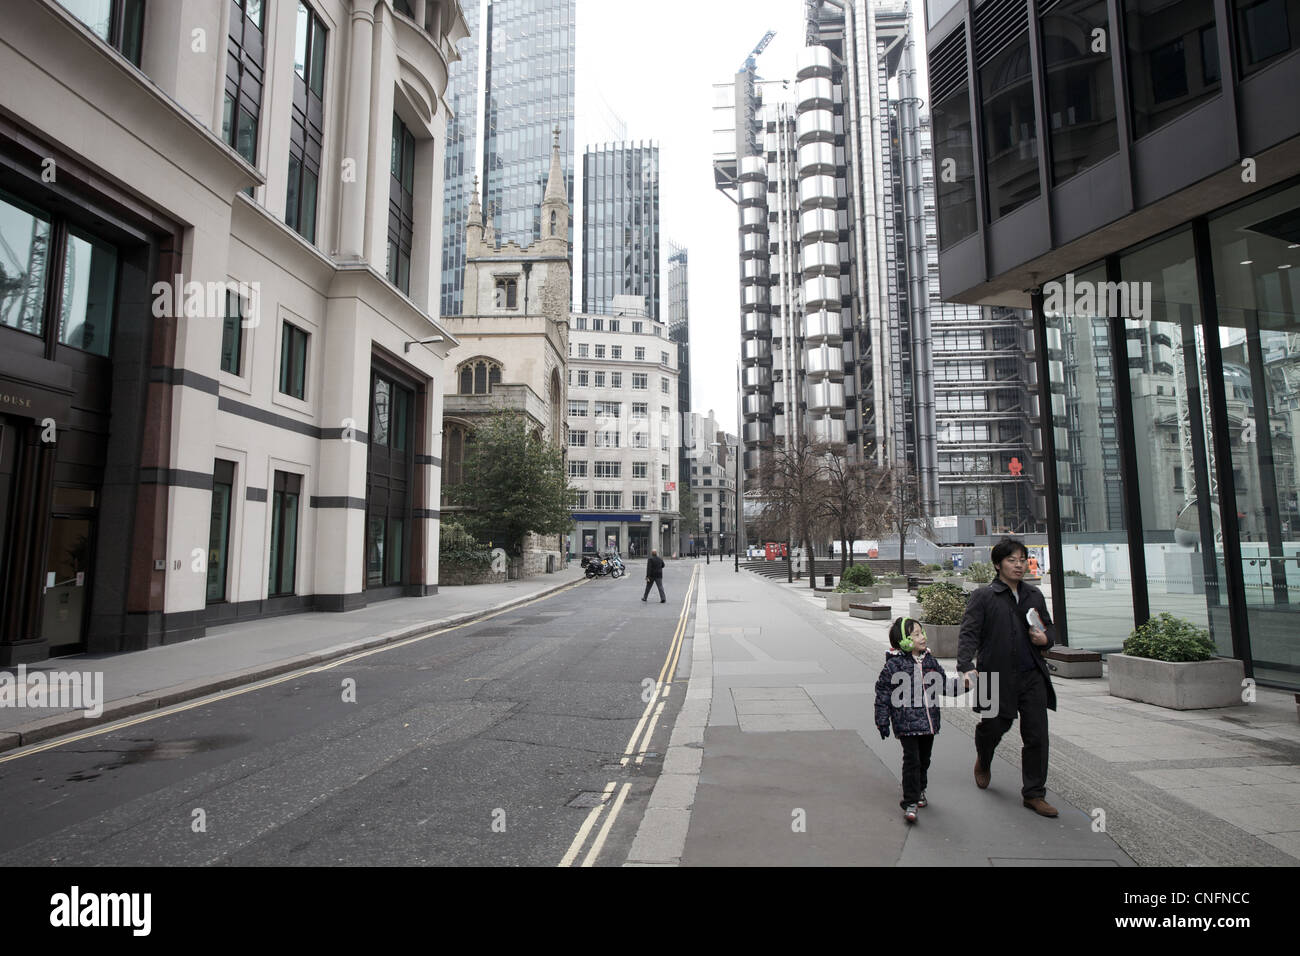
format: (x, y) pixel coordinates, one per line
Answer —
(587, 799)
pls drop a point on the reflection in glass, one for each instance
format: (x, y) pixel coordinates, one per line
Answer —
(89, 280)
(1181, 530)
(1080, 90)
(1265, 29)
(1010, 128)
(24, 246)
(1173, 59)
(953, 148)
(1094, 538)
(1256, 255)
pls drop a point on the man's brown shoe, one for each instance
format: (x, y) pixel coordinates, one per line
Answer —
(1041, 807)
(982, 775)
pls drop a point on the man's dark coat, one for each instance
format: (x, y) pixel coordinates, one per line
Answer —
(654, 568)
(991, 632)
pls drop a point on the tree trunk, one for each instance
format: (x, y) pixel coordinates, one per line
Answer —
(844, 551)
(808, 554)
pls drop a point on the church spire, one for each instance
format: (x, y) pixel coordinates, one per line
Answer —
(555, 205)
(555, 191)
(474, 222)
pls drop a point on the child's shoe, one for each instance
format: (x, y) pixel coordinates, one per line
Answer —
(909, 813)
(923, 802)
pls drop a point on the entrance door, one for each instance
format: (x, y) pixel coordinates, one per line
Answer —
(67, 582)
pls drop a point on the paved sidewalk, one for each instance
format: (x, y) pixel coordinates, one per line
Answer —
(236, 654)
(794, 771)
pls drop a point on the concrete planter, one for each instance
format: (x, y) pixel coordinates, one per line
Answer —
(869, 612)
(942, 639)
(1191, 685)
(1074, 581)
(884, 592)
(914, 610)
(970, 586)
(839, 601)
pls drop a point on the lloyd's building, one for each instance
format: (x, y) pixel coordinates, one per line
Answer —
(221, 368)
(1130, 171)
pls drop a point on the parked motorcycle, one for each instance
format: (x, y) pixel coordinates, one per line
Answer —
(599, 566)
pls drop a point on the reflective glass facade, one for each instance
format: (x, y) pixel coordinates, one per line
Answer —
(620, 226)
(460, 162)
(530, 90)
(1205, 385)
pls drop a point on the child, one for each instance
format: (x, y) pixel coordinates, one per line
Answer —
(905, 696)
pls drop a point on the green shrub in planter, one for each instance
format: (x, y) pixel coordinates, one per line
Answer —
(1168, 638)
(858, 574)
(941, 587)
(980, 572)
(848, 587)
(931, 568)
(947, 564)
(942, 606)
(1077, 574)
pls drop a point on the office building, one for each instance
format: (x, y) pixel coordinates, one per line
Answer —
(213, 409)
(620, 225)
(679, 332)
(711, 473)
(527, 49)
(1140, 196)
(623, 432)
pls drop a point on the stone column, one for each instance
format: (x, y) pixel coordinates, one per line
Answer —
(356, 140)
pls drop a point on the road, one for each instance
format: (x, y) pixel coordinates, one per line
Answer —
(531, 738)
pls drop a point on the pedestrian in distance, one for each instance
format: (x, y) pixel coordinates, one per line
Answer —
(907, 697)
(654, 574)
(1004, 634)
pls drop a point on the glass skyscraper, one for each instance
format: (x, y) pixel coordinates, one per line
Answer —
(620, 225)
(459, 165)
(530, 89)
(528, 46)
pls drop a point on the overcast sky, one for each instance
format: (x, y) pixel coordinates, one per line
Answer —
(653, 67)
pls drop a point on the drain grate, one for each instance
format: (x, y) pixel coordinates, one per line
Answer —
(586, 799)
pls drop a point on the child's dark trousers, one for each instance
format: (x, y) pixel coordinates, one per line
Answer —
(916, 764)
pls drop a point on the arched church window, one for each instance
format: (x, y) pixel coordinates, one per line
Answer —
(507, 294)
(477, 376)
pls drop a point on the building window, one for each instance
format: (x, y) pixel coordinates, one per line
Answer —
(598, 325)
(244, 78)
(663, 472)
(285, 496)
(582, 350)
(1010, 129)
(639, 469)
(665, 502)
(455, 440)
(615, 379)
(89, 287)
(293, 361)
(401, 205)
(1263, 31)
(953, 148)
(664, 414)
(232, 334)
(663, 442)
(582, 378)
(388, 478)
(577, 469)
(600, 351)
(307, 121)
(640, 439)
(607, 438)
(663, 385)
(640, 410)
(636, 330)
(1080, 91)
(1173, 59)
(640, 500)
(599, 379)
(607, 500)
(616, 351)
(663, 358)
(577, 409)
(609, 409)
(477, 377)
(640, 380)
(580, 323)
(609, 469)
(507, 294)
(577, 439)
(119, 23)
(223, 484)
(639, 353)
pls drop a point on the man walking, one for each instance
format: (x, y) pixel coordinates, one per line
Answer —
(654, 574)
(997, 638)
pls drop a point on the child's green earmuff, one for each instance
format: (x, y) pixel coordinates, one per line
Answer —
(905, 639)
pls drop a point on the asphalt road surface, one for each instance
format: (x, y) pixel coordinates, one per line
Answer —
(530, 738)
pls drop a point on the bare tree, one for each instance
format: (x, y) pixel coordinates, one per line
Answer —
(853, 501)
(794, 487)
(906, 509)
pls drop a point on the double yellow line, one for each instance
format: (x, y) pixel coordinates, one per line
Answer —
(271, 682)
(640, 737)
